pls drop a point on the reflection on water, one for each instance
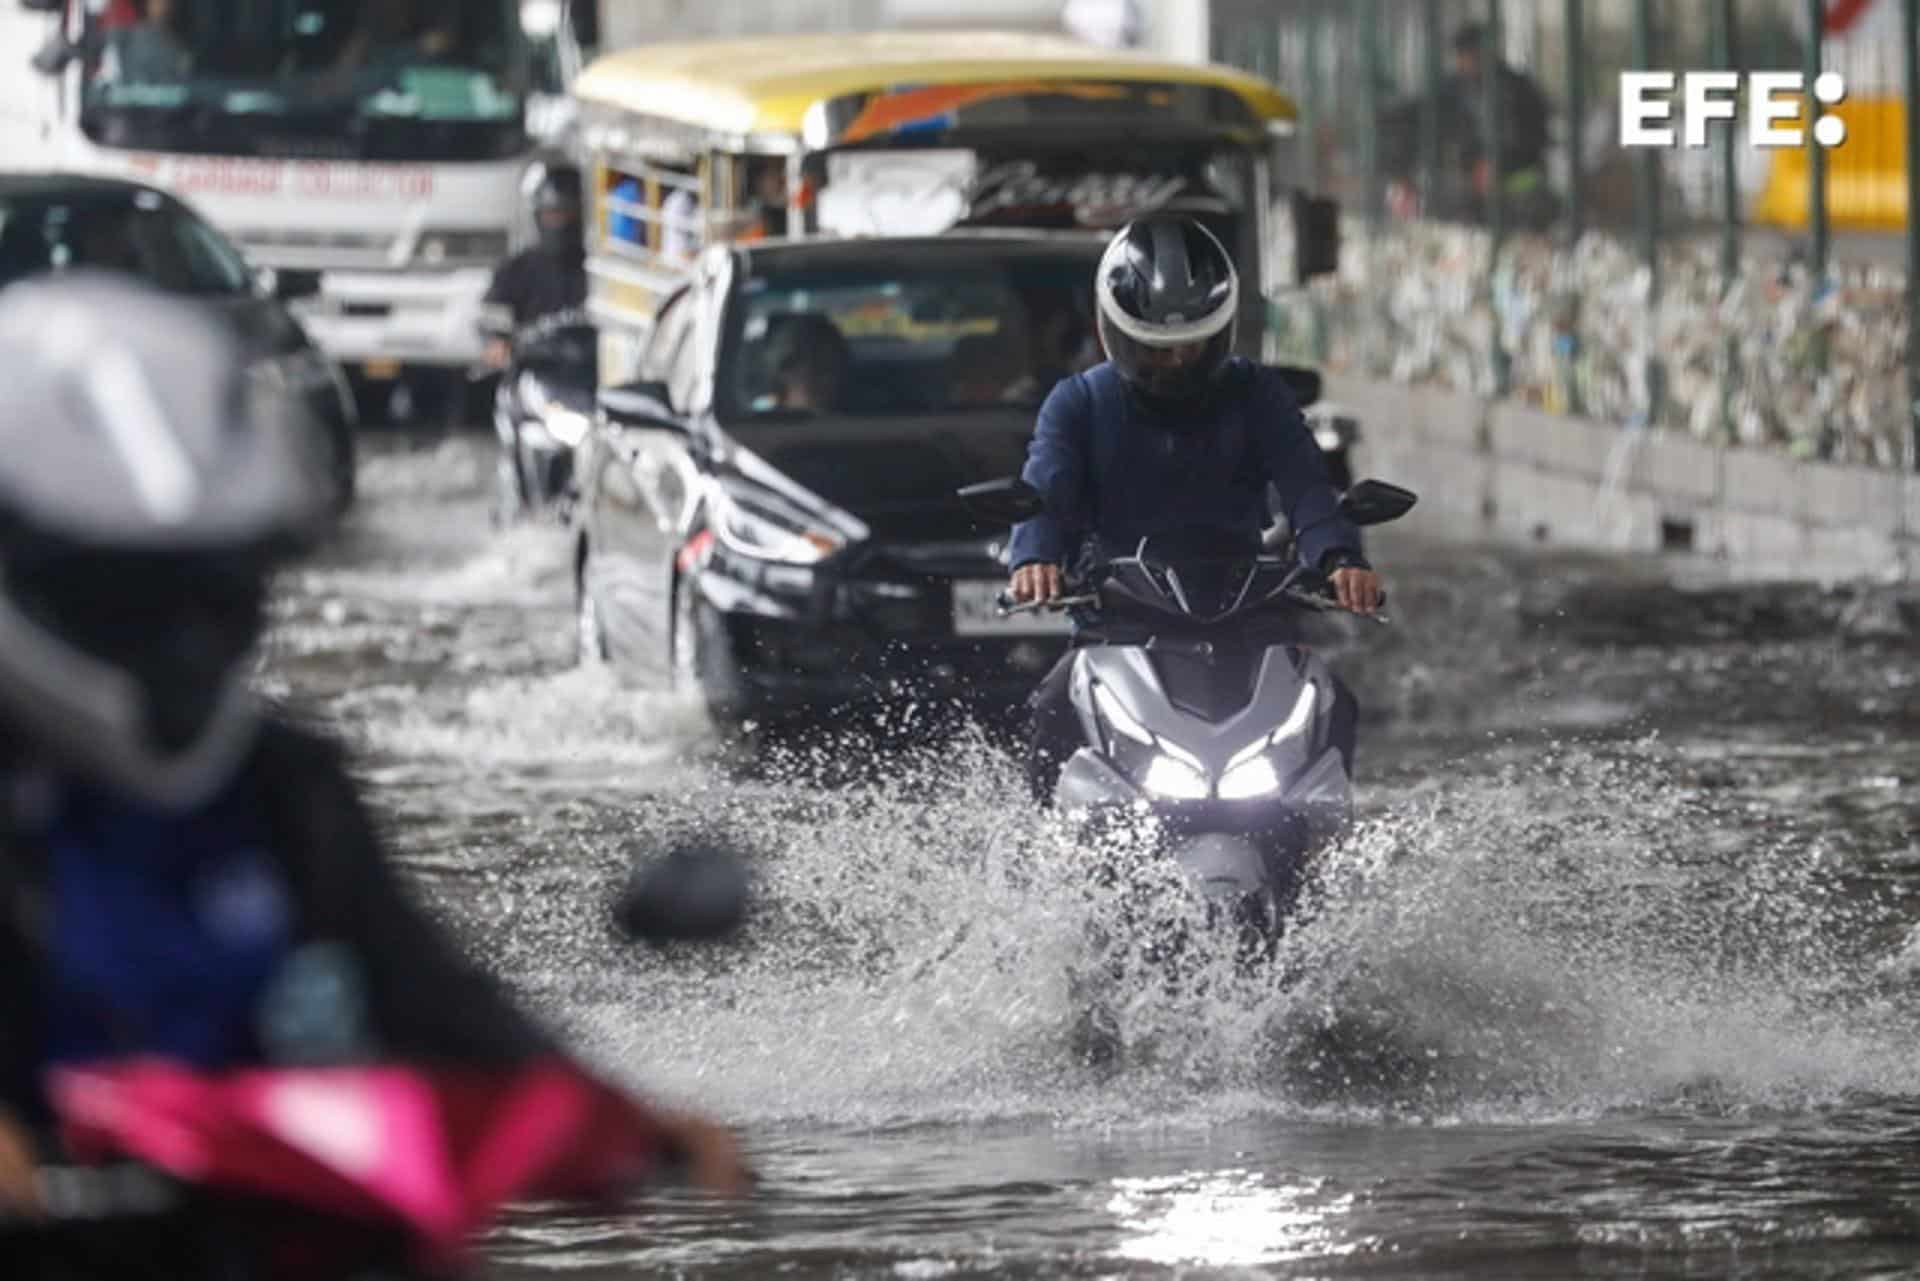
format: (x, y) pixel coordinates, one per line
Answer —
(1228, 1218)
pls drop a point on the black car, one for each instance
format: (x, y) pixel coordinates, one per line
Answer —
(53, 222)
(769, 516)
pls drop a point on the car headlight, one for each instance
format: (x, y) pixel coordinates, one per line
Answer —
(441, 248)
(762, 534)
(1251, 773)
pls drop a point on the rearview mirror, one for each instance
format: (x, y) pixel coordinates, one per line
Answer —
(1375, 502)
(1006, 501)
(1305, 384)
(640, 404)
(1316, 237)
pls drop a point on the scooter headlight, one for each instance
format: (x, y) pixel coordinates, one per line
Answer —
(1251, 774)
(1174, 779)
(1118, 717)
(1249, 779)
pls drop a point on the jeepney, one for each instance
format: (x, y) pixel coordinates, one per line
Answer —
(914, 133)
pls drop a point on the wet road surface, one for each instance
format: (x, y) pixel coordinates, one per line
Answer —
(1618, 976)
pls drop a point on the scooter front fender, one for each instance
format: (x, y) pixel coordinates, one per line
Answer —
(1222, 866)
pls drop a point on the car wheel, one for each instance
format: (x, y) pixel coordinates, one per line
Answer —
(590, 638)
(693, 669)
(683, 659)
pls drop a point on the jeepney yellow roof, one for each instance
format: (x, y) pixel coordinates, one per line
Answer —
(765, 84)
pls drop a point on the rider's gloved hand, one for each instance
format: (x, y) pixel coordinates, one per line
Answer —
(1036, 581)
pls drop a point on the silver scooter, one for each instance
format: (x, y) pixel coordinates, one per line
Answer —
(1202, 713)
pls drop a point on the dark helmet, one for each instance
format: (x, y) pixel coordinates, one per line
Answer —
(556, 211)
(1169, 306)
(559, 189)
(149, 484)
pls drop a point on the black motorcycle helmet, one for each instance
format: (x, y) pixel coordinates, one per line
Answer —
(557, 202)
(150, 483)
(1168, 305)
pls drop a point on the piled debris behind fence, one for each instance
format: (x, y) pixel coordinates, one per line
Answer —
(1767, 360)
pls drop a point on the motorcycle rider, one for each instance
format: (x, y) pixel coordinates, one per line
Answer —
(182, 874)
(552, 276)
(1172, 433)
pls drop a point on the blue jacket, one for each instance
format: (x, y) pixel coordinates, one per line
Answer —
(1107, 470)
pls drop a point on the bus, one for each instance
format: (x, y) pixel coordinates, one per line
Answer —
(373, 154)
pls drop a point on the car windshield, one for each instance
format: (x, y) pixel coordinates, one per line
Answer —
(241, 72)
(983, 336)
(140, 232)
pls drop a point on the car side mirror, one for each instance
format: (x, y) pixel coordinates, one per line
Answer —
(640, 404)
(1316, 237)
(1006, 501)
(55, 56)
(1375, 502)
(1305, 384)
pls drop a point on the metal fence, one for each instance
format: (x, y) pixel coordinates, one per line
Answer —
(1505, 240)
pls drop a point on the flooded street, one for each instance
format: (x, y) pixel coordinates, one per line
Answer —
(1619, 975)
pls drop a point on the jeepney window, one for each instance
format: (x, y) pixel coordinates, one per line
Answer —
(986, 335)
(654, 210)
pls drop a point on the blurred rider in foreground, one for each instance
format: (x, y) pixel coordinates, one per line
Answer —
(550, 277)
(184, 877)
(1172, 434)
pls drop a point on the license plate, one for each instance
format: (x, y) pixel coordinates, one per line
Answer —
(381, 370)
(976, 613)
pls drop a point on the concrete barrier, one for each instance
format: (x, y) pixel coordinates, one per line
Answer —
(1510, 473)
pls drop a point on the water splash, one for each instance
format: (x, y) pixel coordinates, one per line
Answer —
(1575, 935)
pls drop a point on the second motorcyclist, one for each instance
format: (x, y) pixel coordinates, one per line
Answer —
(551, 277)
(1172, 433)
(184, 877)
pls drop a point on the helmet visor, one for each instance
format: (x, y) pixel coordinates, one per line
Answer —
(1168, 375)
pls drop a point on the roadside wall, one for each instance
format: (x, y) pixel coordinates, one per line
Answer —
(1507, 473)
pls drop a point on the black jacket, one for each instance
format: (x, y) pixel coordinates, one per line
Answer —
(538, 283)
(428, 1003)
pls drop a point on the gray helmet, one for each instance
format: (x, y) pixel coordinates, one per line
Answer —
(149, 483)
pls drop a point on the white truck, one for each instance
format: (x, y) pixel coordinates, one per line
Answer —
(372, 153)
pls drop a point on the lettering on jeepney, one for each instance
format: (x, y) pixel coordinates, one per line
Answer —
(1096, 199)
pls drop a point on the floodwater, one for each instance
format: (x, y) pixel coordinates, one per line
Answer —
(1619, 976)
